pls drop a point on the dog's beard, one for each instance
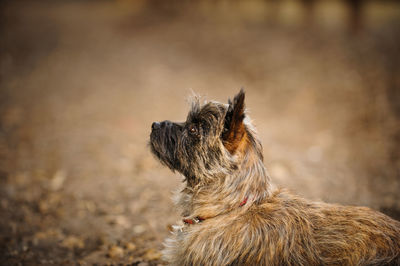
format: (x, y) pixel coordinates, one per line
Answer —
(163, 143)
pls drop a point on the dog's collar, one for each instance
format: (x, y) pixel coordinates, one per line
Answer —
(199, 219)
(195, 220)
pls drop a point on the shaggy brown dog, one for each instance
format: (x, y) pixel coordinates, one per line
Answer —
(231, 214)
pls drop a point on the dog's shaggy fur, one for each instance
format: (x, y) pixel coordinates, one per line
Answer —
(232, 216)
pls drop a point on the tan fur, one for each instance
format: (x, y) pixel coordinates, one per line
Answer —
(281, 229)
(236, 136)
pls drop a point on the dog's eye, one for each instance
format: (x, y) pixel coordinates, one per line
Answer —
(192, 129)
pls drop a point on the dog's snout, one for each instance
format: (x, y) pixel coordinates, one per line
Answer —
(159, 125)
(155, 125)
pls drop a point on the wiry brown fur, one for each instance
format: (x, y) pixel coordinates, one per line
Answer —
(222, 162)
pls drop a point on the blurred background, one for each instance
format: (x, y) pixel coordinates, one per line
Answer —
(82, 81)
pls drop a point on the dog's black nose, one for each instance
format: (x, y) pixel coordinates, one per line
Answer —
(155, 125)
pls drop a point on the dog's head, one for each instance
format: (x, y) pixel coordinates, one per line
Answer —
(209, 144)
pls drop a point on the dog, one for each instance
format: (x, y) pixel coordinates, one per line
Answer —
(231, 213)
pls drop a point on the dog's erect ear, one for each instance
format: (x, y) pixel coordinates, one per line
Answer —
(234, 129)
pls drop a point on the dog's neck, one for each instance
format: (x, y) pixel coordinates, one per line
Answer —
(250, 181)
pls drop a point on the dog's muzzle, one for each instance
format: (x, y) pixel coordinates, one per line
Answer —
(163, 133)
(160, 125)
(163, 142)
(155, 125)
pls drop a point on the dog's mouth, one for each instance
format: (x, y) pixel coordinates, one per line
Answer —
(156, 143)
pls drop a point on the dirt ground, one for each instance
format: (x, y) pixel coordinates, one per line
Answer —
(82, 81)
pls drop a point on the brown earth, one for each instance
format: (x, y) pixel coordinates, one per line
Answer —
(82, 81)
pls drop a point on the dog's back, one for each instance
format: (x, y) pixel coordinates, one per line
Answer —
(287, 230)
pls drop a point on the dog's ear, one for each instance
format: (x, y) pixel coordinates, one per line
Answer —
(234, 128)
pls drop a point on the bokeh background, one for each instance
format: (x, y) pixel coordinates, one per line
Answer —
(82, 81)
